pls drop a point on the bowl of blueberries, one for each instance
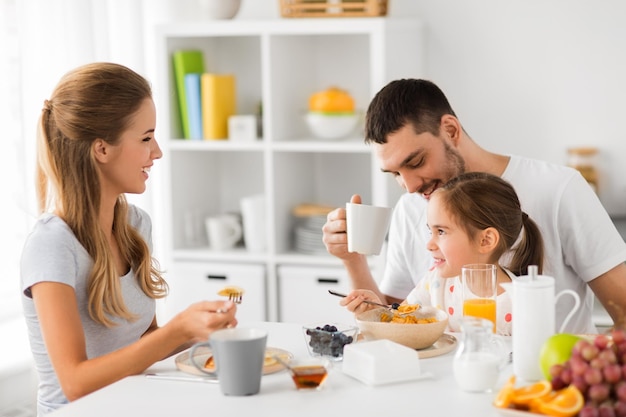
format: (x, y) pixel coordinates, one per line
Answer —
(328, 339)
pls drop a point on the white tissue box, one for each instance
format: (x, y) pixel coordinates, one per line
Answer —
(381, 362)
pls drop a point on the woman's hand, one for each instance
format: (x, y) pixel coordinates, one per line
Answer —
(201, 319)
(354, 301)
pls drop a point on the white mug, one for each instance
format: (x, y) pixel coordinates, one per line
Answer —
(366, 227)
(223, 231)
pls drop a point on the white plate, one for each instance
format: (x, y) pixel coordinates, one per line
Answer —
(517, 413)
(183, 361)
(443, 345)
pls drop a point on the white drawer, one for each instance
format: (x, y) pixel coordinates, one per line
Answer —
(303, 294)
(195, 281)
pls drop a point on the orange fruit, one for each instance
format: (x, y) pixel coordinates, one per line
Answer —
(505, 395)
(332, 100)
(524, 395)
(535, 404)
(567, 403)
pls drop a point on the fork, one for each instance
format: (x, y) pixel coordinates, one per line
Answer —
(235, 297)
(392, 307)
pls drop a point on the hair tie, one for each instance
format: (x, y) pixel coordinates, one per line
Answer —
(524, 216)
(47, 105)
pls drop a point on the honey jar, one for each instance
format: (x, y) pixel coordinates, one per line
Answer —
(584, 159)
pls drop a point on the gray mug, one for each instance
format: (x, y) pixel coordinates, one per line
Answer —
(238, 355)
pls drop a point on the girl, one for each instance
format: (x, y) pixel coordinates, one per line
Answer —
(474, 218)
(88, 278)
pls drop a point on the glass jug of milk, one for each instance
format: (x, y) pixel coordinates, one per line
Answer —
(480, 357)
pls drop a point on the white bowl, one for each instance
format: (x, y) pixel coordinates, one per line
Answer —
(220, 9)
(331, 126)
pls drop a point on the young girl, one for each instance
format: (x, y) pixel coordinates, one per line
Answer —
(474, 218)
(87, 275)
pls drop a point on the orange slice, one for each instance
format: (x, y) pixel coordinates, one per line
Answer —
(210, 363)
(268, 360)
(505, 395)
(524, 395)
(567, 403)
(534, 406)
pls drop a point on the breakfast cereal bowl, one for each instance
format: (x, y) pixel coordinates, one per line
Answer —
(414, 335)
(328, 339)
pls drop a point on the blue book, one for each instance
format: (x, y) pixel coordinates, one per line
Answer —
(194, 109)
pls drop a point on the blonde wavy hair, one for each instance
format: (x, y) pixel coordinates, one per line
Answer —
(93, 101)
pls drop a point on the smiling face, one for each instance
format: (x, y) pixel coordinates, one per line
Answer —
(125, 166)
(450, 245)
(421, 163)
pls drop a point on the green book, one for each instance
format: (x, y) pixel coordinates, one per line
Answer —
(185, 62)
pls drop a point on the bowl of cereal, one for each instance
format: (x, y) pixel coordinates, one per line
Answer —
(417, 330)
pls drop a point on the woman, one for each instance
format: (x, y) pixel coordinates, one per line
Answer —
(88, 278)
(474, 218)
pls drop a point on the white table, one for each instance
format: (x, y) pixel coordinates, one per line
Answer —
(341, 394)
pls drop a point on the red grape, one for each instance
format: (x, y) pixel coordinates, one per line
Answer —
(620, 390)
(619, 336)
(608, 356)
(578, 366)
(593, 376)
(612, 373)
(606, 409)
(620, 409)
(579, 382)
(589, 352)
(599, 392)
(601, 341)
(589, 410)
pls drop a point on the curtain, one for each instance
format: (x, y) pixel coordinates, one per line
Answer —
(41, 40)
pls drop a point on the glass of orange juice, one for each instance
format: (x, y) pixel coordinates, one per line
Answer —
(480, 291)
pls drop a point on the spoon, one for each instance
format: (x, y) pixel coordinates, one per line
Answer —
(285, 364)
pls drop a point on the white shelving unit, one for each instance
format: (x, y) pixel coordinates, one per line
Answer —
(278, 63)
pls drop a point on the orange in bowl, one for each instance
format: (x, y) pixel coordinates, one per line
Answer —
(332, 100)
(414, 335)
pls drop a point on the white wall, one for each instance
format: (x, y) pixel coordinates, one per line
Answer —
(529, 77)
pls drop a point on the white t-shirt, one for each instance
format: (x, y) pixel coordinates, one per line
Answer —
(581, 242)
(52, 253)
(446, 294)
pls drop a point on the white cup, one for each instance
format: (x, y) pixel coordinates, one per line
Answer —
(254, 223)
(223, 231)
(367, 227)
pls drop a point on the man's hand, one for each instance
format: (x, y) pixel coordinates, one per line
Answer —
(335, 237)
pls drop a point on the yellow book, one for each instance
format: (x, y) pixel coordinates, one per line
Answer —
(218, 104)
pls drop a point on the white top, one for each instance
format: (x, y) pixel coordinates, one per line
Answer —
(52, 253)
(446, 294)
(580, 239)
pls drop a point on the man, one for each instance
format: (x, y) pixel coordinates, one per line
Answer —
(418, 139)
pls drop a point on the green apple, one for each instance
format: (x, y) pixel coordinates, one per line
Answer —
(557, 349)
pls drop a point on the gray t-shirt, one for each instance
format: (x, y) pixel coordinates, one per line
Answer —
(52, 253)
